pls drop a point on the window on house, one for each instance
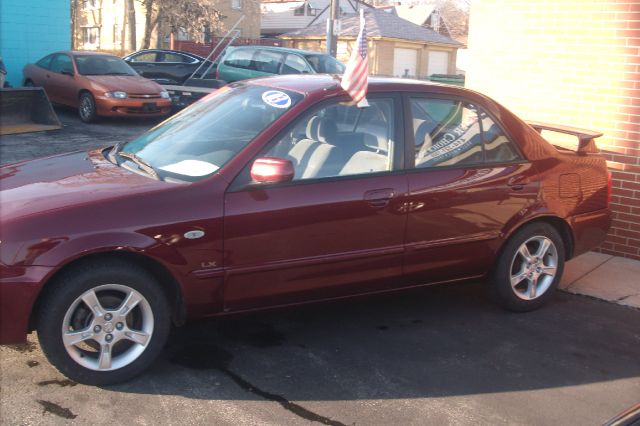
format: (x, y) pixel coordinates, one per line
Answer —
(236, 4)
(91, 4)
(299, 11)
(91, 37)
(206, 34)
(117, 35)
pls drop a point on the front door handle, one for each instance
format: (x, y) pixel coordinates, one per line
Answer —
(379, 198)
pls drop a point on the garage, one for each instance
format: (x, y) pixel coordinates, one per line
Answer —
(404, 62)
(438, 62)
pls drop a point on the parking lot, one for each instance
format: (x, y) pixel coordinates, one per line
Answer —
(440, 355)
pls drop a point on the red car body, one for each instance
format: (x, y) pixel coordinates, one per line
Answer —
(291, 244)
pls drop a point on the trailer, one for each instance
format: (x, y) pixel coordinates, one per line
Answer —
(195, 88)
(191, 91)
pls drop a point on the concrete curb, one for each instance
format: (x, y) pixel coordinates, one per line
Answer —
(611, 278)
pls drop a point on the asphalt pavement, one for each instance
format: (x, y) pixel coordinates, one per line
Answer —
(436, 356)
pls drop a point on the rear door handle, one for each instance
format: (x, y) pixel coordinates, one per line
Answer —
(517, 183)
(379, 198)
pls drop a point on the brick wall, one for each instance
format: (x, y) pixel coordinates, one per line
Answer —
(203, 49)
(575, 63)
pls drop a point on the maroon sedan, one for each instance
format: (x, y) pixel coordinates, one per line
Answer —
(280, 191)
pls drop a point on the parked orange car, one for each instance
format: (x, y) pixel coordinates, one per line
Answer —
(97, 84)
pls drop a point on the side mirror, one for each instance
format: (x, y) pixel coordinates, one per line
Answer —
(272, 170)
(67, 72)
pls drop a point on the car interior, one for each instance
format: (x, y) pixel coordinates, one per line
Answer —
(340, 140)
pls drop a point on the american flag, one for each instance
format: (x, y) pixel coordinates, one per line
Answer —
(355, 80)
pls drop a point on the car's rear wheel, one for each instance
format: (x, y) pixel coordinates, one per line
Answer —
(104, 323)
(529, 268)
(87, 108)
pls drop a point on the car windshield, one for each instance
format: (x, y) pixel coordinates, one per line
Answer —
(325, 64)
(204, 137)
(102, 65)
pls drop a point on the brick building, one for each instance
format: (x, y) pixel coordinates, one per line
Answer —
(570, 62)
(102, 25)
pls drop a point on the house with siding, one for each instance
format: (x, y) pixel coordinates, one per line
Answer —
(397, 47)
(573, 63)
(281, 16)
(30, 30)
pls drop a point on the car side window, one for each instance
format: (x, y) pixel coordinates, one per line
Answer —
(447, 132)
(61, 63)
(45, 62)
(240, 58)
(454, 132)
(497, 146)
(144, 57)
(172, 57)
(294, 64)
(267, 61)
(322, 145)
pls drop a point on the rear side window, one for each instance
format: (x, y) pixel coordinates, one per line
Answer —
(45, 62)
(457, 133)
(497, 146)
(240, 58)
(267, 61)
(294, 64)
(144, 57)
(61, 63)
(325, 64)
(174, 57)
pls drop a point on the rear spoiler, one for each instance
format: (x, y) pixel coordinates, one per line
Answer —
(586, 143)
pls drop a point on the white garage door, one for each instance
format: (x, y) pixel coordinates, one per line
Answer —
(404, 62)
(438, 63)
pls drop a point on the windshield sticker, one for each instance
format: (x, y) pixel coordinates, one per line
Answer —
(191, 168)
(276, 99)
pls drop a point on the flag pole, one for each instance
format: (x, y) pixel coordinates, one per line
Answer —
(332, 39)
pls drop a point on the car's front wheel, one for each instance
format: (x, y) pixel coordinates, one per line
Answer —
(529, 268)
(87, 108)
(103, 323)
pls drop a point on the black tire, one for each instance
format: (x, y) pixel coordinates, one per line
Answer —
(87, 108)
(61, 306)
(28, 83)
(533, 278)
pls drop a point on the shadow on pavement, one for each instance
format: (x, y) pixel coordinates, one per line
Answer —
(438, 341)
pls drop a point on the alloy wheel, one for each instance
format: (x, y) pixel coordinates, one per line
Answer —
(107, 327)
(534, 267)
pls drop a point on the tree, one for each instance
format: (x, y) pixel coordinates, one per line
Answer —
(188, 16)
(131, 10)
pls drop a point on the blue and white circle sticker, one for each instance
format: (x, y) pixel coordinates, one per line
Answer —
(276, 99)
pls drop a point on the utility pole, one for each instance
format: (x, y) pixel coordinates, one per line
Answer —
(332, 38)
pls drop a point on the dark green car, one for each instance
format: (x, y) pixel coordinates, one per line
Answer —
(241, 63)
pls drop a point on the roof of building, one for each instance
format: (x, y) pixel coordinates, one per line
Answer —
(418, 13)
(379, 24)
(279, 16)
